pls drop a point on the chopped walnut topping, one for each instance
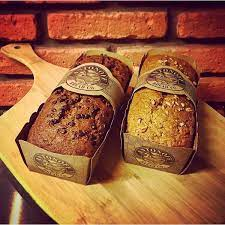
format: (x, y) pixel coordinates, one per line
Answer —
(181, 124)
(62, 130)
(167, 103)
(164, 62)
(93, 126)
(139, 120)
(176, 103)
(182, 104)
(188, 110)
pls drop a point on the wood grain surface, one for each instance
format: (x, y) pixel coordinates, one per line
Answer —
(119, 192)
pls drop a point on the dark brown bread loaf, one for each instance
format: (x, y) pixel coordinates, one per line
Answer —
(76, 124)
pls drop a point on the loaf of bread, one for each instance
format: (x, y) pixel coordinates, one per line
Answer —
(162, 118)
(76, 124)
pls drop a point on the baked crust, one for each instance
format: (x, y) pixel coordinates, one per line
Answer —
(162, 118)
(76, 124)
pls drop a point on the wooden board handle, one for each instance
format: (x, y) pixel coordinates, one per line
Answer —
(46, 78)
(21, 52)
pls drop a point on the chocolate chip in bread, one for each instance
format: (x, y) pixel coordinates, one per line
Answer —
(76, 124)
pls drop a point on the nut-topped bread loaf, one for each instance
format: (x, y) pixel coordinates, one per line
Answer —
(163, 118)
(76, 124)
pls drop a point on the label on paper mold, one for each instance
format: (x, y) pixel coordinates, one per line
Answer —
(94, 79)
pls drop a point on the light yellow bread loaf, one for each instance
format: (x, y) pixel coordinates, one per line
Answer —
(163, 118)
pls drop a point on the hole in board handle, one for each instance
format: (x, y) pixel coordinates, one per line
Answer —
(17, 47)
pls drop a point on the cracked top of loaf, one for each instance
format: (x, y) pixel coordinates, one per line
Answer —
(76, 124)
(162, 118)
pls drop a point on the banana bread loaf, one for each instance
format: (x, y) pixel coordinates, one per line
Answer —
(162, 118)
(76, 124)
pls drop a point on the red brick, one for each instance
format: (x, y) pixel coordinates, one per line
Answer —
(18, 27)
(62, 1)
(34, 2)
(212, 89)
(95, 24)
(9, 66)
(201, 24)
(135, 52)
(11, 91)
(61, 56)
(209, 58)
(72, 1)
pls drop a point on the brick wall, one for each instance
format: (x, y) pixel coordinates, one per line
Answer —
(61, 30)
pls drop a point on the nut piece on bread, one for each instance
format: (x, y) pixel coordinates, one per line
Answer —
(162, 118)
(76, 124)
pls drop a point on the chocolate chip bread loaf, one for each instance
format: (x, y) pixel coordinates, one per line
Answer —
(76, 124)
(159, 117)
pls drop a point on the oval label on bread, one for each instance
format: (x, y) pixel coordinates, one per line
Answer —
(169, 80)
(53, 166)
(88, 77)
(153, 157)
(94, 79)
(166, 78)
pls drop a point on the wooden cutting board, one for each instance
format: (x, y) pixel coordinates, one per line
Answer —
(119, 192)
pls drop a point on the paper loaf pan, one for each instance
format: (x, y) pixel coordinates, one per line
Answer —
(88, 79)
(145, 153)
(77, 169)
(163, 77)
